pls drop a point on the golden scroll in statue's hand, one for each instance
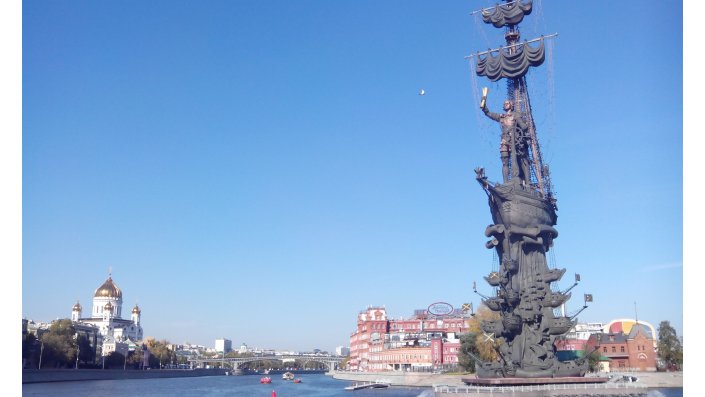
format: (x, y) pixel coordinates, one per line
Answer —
(484, 97)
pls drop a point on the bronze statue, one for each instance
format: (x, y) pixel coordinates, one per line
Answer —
(514, 135)
(523, 218)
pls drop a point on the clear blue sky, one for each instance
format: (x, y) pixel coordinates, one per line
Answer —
(264, 170)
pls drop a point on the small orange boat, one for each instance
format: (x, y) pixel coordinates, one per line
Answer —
(265, 380)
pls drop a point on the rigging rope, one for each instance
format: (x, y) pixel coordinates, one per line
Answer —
(488, 135)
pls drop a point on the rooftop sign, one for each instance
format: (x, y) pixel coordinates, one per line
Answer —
(440, 309)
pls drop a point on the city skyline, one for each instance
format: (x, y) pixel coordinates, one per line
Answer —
(263, 171)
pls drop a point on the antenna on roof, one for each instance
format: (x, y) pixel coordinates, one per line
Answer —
(636, 316)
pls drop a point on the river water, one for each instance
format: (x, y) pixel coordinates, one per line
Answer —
(314, 385)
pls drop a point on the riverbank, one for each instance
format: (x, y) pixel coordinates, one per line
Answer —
(71, 375)
(424, 379)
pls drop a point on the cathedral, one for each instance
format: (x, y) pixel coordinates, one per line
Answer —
(115, 332)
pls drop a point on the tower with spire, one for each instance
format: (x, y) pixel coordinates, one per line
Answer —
(136, 311)
(76, 311)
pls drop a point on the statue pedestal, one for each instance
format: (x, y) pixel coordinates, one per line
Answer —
(531, 381)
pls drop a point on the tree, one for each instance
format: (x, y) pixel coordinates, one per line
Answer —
(476, 343)
(593, 357)
(669, 346)
(115, 360)
(30, 350)
(344, 364)
(86, 353)
(134, 359)
(468, 348)
(159, 353)
(60, 345)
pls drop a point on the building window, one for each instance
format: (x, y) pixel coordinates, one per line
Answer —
(604, 349)
(621, 349)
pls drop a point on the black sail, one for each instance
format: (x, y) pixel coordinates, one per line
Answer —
(508, 14)
(506, 65)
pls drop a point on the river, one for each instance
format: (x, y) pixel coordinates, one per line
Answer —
(314, 385)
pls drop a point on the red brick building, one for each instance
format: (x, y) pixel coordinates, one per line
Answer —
(626, 352)
(419, 343)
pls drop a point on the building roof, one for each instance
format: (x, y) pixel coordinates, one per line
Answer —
(108, 290)
(604, 339)
(625, 325)
(116, 322)
(639, 327)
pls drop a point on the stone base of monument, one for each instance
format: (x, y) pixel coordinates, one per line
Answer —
(543, 387)
(532, 381)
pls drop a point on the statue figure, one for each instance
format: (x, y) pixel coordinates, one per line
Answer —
(513, 126)
(522, 232)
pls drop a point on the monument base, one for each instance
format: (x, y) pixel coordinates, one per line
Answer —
(531, 381)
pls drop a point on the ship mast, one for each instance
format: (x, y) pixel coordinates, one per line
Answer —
(509, 15)
(517, 92)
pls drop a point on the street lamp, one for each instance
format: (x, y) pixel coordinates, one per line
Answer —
(41, 352)
(78, 350)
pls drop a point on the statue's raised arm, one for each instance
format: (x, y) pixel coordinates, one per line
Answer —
(508, 122)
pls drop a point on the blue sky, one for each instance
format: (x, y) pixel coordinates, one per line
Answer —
(264, 170)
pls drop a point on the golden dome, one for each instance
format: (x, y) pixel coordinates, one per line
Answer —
(108, 289)
(77, 307)
(136, 310)
(108, 307)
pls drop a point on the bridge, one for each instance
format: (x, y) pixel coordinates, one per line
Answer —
(331, 362)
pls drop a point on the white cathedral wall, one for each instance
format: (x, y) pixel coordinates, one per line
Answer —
(99, 303)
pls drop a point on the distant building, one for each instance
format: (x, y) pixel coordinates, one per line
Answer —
(620, 351)
(243, 348)
(223, 345)
(625, 325)
(105, 326)
(342, 351)
(420, 343)
(572, 345)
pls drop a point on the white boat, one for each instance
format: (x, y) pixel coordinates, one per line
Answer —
(368, 385)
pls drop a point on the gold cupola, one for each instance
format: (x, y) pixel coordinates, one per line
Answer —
(108, 290)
